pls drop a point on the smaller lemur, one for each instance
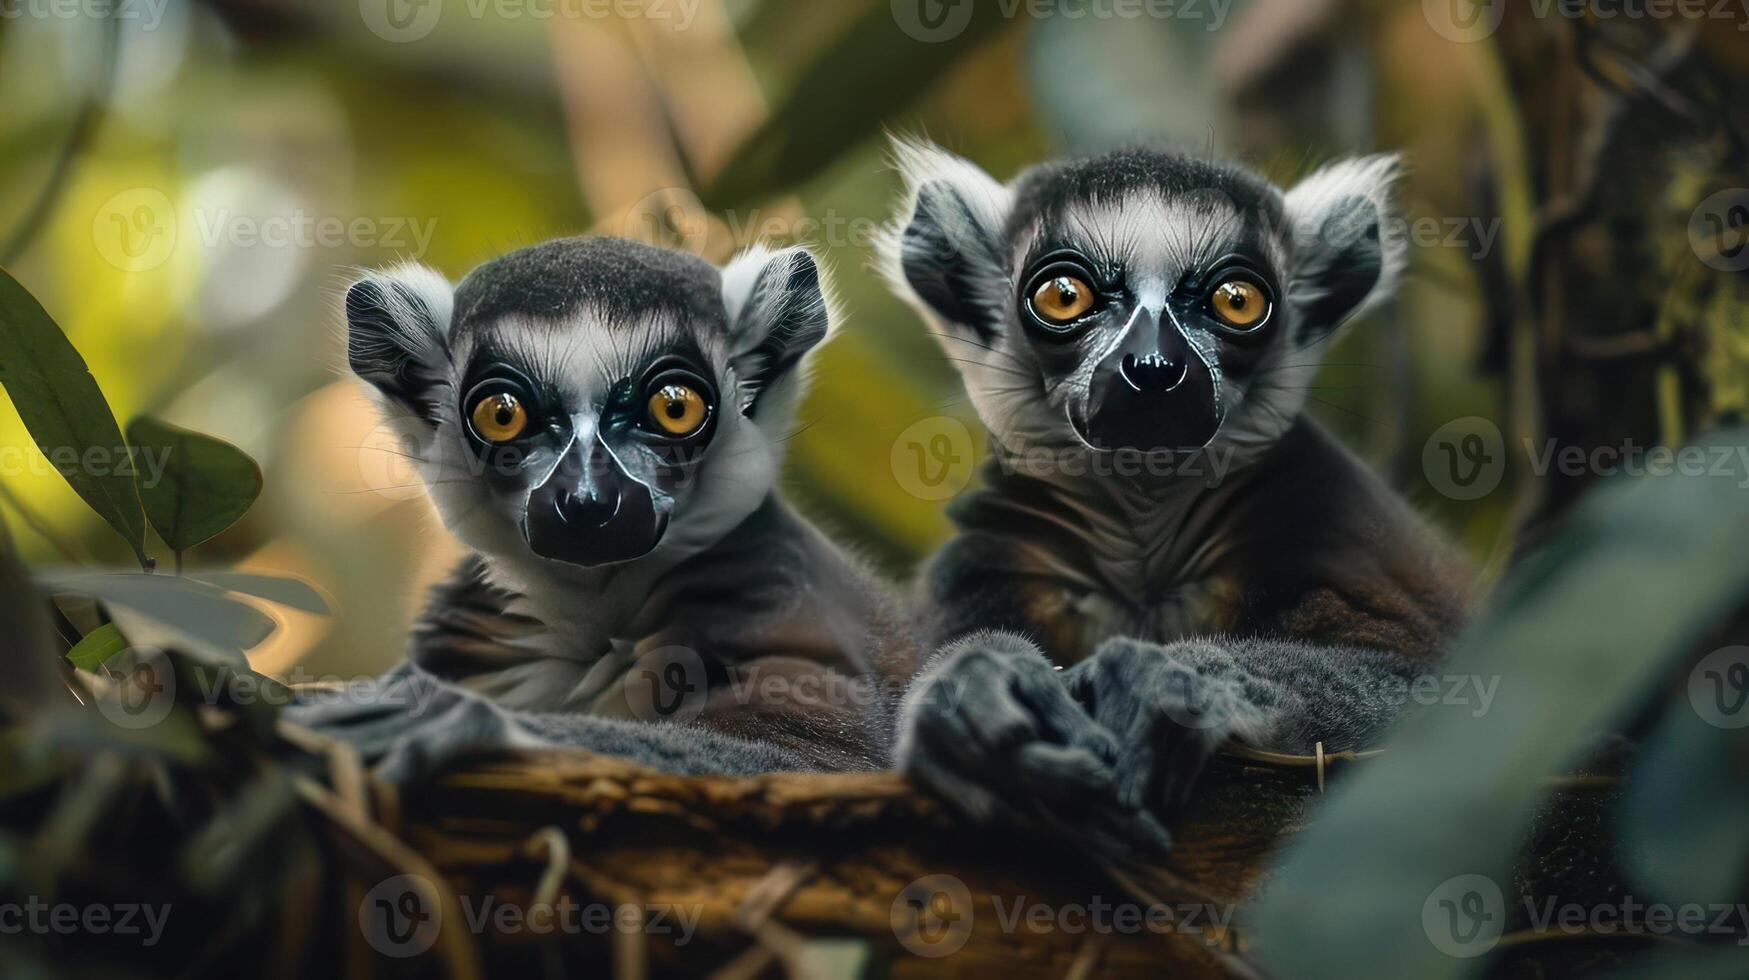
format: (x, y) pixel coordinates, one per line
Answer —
(1138, 331)
(601, 422)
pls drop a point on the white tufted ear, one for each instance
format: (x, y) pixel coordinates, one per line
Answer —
(1346, 256)
(944, 252)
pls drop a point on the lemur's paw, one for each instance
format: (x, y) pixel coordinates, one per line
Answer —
(1168, 717)
(407, 725)
(991, 728)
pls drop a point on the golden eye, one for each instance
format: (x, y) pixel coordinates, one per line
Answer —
(1239, 304)
(677, 410)
(499, 417)
(1060, 299)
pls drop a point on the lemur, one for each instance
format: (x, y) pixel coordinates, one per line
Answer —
(601, 422)
(1137, 330)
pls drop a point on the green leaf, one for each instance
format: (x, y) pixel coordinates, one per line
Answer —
(66, 413)
(870, 72)
(283, 589)
(1580, 635)
(170, 611)
(96, 647)
(1683, 816)
(194, 486)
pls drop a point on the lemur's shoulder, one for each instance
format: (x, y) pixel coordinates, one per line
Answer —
(1331, 553)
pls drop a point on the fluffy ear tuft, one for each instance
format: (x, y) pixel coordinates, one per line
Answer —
(779, 310)
(397, 324)
(1345, 260)
(944, 253)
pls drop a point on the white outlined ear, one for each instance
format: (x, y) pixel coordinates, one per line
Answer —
(943, 252)
(1347, 257)
(780, 310)
(397, 325)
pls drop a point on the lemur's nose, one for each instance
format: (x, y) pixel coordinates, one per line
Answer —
(588, 508)
(594, 499)
(1154, 372)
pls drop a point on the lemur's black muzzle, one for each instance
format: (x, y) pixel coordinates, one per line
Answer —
(1153, 392)
(590, 511)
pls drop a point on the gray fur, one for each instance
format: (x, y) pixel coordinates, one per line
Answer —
(1264, 587)
(736, 598)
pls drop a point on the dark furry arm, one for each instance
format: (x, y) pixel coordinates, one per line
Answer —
(408, 725)
(1281, 695)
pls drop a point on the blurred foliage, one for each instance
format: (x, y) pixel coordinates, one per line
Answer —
(231, 119)
(189, 196)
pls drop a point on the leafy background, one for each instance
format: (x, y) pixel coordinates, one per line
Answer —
(1585, 151)
(505, 129)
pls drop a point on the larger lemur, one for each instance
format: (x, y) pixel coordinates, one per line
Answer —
(1138, 330)
(602, 422)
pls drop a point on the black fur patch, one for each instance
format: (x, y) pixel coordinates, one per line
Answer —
(625, 280)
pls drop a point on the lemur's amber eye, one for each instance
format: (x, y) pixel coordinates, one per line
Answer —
(677, 410)
(1060, 299)
(1239, 303)
(499, 417)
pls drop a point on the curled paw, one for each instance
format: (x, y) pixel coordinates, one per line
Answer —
(1167, 716)
(992, 729)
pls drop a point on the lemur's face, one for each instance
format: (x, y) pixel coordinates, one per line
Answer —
(1137, 301)
(586, 400)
